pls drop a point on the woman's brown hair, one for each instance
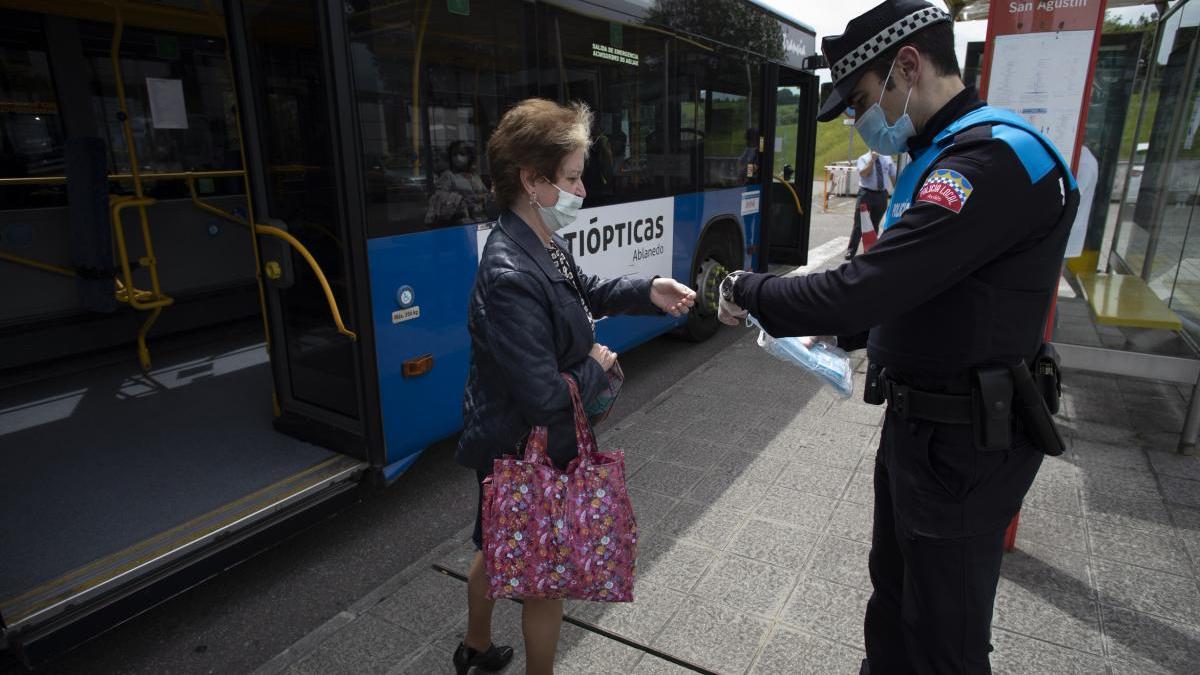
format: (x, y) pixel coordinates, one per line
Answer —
(536, 134)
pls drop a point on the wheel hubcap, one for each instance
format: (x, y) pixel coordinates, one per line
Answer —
(708, 282)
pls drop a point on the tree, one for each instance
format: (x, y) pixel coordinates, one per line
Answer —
(731, 22)
(1113, 23)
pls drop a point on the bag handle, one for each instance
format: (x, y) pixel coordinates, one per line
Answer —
(535, 447)
(585, 438)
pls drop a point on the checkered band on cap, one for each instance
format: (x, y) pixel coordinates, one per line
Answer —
(885, 39)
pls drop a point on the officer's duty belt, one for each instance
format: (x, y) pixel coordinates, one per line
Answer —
(909, 403)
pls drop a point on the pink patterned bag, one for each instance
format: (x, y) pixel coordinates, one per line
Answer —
(554, 534)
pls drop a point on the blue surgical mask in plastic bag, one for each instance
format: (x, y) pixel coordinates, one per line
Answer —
(827, 361)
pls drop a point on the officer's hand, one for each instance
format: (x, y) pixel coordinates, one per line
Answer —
(727, 311)
(730, 314)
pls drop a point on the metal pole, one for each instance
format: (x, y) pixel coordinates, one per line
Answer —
(1191, 425)
(1151, 69)
(1172, 156)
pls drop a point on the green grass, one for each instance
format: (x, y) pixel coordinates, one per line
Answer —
(1131, 119)
(832, 141)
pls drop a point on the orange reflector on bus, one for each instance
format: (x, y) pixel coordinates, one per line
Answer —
(418, 366)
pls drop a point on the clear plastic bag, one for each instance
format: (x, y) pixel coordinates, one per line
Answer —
(824, 358)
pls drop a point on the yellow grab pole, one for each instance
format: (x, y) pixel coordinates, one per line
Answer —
(416, 89)
(36, 264)
(295, 243)
(792, 190)
(120, 204)
(312, 263)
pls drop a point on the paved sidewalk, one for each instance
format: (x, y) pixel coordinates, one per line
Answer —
(752, 487)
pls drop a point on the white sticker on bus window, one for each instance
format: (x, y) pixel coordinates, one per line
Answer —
(167, 107)
(749, 203)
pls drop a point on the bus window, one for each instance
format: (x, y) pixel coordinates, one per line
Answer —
(620, 71)
(425, 123)
(31, 131)
(205, 140)
(730, 98)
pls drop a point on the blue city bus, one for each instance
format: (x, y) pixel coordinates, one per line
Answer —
(282, 204)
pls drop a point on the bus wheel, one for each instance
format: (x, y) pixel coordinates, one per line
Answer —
(714, 261)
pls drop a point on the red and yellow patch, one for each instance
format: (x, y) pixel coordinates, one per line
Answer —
(947, 188)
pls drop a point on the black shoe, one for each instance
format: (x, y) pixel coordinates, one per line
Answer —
(492, 658)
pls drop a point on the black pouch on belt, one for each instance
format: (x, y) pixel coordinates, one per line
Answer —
(1034, 413)
(992, 408)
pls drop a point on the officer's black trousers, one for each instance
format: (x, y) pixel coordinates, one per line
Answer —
(935, 554)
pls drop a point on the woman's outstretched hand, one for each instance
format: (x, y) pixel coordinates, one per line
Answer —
(671, 296)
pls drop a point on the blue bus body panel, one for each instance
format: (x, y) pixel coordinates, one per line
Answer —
(439, 266)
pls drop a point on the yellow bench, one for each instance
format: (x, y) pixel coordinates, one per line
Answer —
(1126, 300)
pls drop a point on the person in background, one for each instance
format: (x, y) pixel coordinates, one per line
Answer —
(876, 176)
(459, 194)
(531, 316)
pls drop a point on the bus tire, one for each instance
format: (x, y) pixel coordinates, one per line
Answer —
(716, 256)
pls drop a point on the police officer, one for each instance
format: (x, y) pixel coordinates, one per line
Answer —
(955, 295)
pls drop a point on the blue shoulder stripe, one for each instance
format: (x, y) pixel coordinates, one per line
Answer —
(1030, 151)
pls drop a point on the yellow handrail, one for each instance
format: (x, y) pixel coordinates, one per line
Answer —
(312, 263)
(793, 191)
(155, 175)
(416, 88)
(295, 243)
(28, 262)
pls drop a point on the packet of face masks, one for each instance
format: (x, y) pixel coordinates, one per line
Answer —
(824, 359)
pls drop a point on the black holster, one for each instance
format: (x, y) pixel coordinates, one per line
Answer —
(1034, 412)
(873, 393)
(1047, 376)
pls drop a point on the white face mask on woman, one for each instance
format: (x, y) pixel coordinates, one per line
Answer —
(563, 212)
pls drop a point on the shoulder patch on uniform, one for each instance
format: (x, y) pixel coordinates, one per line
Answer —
(946, 188)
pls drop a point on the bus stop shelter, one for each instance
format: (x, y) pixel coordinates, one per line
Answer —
(1130, 304)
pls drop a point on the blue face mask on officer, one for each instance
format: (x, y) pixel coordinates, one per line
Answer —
(873, 127)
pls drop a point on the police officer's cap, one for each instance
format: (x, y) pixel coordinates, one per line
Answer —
(867, 36)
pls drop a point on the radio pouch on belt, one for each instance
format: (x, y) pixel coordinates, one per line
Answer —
(873, 389)
(1047, 376)
(992, 409)
(1034, 412)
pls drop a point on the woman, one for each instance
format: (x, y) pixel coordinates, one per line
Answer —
(532, 317)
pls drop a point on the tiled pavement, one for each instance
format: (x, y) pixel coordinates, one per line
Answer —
(752, 487)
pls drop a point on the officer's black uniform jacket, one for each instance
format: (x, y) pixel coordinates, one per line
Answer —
(527, 326)
(943, 292)
(940, 291)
